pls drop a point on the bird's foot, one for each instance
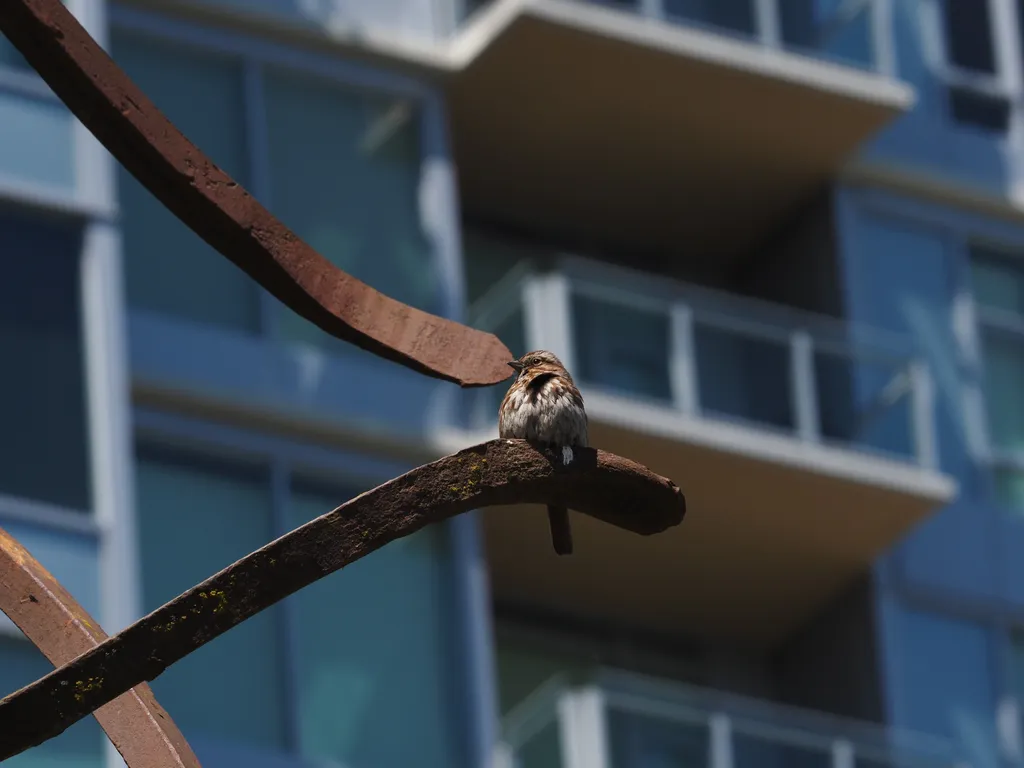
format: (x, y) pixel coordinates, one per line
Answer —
(567, 455)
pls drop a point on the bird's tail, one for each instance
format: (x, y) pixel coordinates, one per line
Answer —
(561, 533)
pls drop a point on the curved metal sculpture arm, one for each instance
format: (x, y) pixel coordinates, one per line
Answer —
(605, 486)
(53, 620)
(220, 211)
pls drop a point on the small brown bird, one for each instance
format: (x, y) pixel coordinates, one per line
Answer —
(544, 406)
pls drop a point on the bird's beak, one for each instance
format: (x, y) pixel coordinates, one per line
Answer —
(516, 366)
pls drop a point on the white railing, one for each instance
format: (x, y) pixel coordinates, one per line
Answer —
(582, 724)
(714, 355)
(854, 32)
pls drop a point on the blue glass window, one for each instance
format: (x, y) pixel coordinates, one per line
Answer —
(339, 166)
(11, 57)
(998, 285)
(373, 657)
(80, 746)
(970, 47)
(622, 348)
(344, 175)
(1016, 668)
(944, 679)
(44, 453)
(168, 268)
(195, 518)
(729, 15)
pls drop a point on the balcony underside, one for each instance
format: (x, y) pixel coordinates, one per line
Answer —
(774, 529)
(595, 125)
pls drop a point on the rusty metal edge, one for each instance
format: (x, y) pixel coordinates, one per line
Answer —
(53, 620)
(605, 486)
(226, 216)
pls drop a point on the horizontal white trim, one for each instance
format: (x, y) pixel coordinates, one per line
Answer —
(21, 510)
(324, 437)
(28, 194)
(765, 446)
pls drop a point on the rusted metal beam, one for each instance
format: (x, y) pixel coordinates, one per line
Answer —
(53, 620)
(227, 217)
(605, 486)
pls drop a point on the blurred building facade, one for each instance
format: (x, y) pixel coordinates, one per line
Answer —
(778, 243)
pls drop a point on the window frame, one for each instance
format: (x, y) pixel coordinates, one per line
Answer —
(999, 625)
(441, 222)
(254, 54)
(962, 228)
(286, 459)
(108, 525)
(219, 368)
(1004, 84)
(1006, 324)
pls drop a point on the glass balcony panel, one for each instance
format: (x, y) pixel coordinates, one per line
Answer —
(638, 741)
(733, 16)
(742, 377)
(836, 30)
(628, 336)
(829, 29)
(864, 403)
(654, 723)
(756, 751)
(621, 348)
(542, 750)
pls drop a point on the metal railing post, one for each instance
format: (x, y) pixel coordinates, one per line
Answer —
(768, 27)
(923, 414)
(882, 37)
(803, 388)
(503, 756)
(842, 754)
(682, 360)
(582, 727)
(720, 745)
(652, 9)
(547, 315)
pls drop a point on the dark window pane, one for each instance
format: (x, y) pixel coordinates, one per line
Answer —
(621, 348)
(1008, 488)
(969, 35)
(649, 742)
(1016, 670)
(42, 390)
(750, 751)
(196, 518)
(168, 268)
(728, 15)
(740, 377)
(543, 749)
(979, 110)
(997, 281)
(1004, 383)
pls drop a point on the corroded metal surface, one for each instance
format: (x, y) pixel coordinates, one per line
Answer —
(605, 486)
(141, 730)
(227, 217)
